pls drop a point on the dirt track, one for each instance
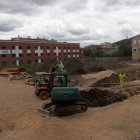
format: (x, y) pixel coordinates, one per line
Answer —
(20, 120)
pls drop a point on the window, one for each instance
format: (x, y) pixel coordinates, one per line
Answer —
(59, 81)
(3, 55)
(35, 47)
(134, 50)
(134, 42)
(3, 48)
(13, 47)
(41, 47)
(28, 47)
(69, 56)
(13, 55)
(20, 47)
(64, 50)
(36, 54)
(20, 55)
(28, 54)
(48, 51)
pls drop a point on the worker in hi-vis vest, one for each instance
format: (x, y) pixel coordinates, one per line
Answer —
(122, 79)
(60, 65)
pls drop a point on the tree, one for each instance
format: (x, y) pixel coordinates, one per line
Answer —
(124, 47)
(88, 53)
(99, 52)
(125, 50)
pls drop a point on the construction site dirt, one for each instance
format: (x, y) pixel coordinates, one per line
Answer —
(111, 115)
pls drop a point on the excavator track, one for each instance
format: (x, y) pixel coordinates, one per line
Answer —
(68, 109)
(63, 109)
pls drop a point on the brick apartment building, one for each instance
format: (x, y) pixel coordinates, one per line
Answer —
(28, 51)
(135, 42)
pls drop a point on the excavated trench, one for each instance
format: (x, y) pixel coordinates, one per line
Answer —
(96, 97)
(107, 91)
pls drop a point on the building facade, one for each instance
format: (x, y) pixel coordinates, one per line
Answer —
(109, 48)
(92, 47)
(29, 51)
(106, 47)
(135, 42)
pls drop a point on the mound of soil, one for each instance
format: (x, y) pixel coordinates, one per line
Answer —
(83, 65)
(107, 81)
(98, 79)
(97, 97)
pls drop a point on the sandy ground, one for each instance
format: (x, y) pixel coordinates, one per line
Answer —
(20, 120)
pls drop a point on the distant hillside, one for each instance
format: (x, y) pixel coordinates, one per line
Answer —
(124, 42)
(124, 47)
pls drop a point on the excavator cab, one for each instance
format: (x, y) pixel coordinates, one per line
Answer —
(58, 80)
(45, 82)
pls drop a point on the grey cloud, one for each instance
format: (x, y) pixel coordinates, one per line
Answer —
(121, 22)
(77, 31)
(76, 28)
(115, 5)
(122, 2)
(125, 32)
(25, 7)
(57, 35)
(112, 2)
(15, 7)
(9, 25)
(84, 37)
(43, 2)
(30, 7)
(72, 5)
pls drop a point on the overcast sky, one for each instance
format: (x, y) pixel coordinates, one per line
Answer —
(84, 21)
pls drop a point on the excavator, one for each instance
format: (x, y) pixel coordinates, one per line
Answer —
(45, 82)
(64, 100)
